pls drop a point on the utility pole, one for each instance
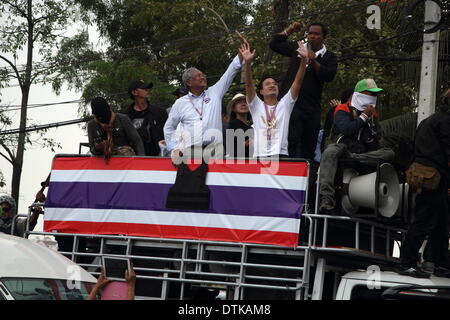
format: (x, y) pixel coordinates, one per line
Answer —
(430, 51)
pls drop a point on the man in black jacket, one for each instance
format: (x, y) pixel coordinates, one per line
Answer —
(304, 123)
(431, 149)
(148, 120)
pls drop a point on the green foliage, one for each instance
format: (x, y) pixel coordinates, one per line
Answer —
(157, 40)
(349, 36)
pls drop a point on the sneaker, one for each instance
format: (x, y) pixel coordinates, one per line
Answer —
(327, 211)
(413, 272)
(428, 266)
(326, 207)
(441, 272)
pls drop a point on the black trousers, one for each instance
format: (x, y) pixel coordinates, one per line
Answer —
(430, 219)
(303, 130)
(428, 251)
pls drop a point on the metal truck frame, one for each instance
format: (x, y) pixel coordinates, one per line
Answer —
(190, 269)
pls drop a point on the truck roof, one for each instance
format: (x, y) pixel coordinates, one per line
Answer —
(390, 276)
(22, 258)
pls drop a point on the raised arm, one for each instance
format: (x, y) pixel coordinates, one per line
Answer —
(297, 83)
(101, 282)
(279, 42)
(224, 83)
(248, 56)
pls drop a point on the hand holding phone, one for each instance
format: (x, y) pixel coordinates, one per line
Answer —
(115, 268)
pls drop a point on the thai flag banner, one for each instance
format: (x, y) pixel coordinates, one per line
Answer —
(249, 202)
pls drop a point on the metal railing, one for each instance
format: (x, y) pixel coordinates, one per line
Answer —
(386, 232)
(232, 267)
(243, 270)
(249, 268)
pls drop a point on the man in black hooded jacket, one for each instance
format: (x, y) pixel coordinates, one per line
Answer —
(112, 133)
(431, 149)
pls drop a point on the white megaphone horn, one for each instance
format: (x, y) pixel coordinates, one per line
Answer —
(362, 191)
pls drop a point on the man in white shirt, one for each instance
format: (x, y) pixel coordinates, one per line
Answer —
(199, 112)
(270, 116)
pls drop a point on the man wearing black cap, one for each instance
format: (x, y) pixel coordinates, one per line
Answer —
(148, 119)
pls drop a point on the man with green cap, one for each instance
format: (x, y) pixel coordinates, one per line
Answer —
(355, 135)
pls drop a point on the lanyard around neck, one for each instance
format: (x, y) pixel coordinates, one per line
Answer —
(270, 116)
(199, 112)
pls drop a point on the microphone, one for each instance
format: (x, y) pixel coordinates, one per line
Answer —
(308, 47)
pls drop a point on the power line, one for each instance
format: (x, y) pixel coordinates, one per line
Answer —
(37, 105)
(44, 126)
(53, 124)
(40, 105)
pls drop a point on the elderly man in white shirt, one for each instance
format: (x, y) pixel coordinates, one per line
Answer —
(199, 113)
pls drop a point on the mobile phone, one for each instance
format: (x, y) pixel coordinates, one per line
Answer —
(115, 267)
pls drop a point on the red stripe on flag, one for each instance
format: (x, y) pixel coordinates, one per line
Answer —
(164, 164)
(178, 232)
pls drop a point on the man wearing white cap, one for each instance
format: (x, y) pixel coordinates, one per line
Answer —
(356, 135)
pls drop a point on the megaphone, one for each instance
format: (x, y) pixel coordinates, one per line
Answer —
(407, 202)
(362, 191)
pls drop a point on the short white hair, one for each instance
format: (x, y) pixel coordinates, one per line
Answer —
(187, 75)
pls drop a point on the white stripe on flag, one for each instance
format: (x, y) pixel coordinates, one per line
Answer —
(168, 177)
(187, 219)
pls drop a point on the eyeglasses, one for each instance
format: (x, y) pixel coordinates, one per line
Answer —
(274, 83)
(199, 76)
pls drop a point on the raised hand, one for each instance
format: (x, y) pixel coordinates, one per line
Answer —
(369, 111)
(334, 103)
(294, 27)
(302, 50)
(241, 38)
(130, 277)
(244, 50)
(102, 280)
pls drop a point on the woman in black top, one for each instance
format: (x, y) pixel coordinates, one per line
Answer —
(240, 119)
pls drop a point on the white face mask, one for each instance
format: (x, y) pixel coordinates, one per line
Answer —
(360, 101)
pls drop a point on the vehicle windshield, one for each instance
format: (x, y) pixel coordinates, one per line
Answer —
(47, 289)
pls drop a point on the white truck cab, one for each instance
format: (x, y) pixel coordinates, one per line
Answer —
(30, 271)
(361, 285)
